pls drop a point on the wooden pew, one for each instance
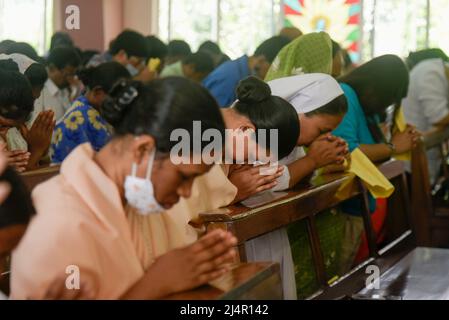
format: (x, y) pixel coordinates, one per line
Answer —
(400, 240)
(431, 220)
(304, 203)
(298, 204)
(247, 281)
(35, 177)
(413, 272)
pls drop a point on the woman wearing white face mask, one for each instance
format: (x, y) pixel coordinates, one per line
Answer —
(88, 216)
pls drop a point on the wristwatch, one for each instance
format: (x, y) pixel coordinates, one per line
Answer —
(392, 147)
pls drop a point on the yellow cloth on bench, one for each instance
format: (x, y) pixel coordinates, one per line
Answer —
(401, 125)
(371, 177)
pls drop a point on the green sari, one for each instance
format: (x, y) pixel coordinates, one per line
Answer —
(310, 53)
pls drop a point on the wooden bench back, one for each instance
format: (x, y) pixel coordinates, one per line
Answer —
(305, 203)
(248, 281)
(432, 223)
(35, 177)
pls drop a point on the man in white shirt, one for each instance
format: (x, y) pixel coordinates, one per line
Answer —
(427, 103)
(62, 63)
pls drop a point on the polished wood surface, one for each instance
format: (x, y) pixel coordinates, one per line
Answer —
(302, 202)
(306, 201)
(248, 281)
(420, 275)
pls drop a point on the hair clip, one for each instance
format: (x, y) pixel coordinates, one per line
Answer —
(128, 96)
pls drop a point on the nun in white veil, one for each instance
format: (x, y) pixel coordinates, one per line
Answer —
(308, 94)
(22, 61)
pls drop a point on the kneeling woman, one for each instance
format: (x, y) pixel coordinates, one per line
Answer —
(320, 106)
(82, 214)
(370, 90)
(83, 121)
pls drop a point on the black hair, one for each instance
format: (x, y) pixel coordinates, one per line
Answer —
(79, 52)
(202, 62)
(379, 83)
(271, 47)
(385, 79)
(16, 97)
(61, 39)
(9, 65)
(210, 46)
(23, 48)
(337, 107)
(160, 107)
(132, 42)
(61, 57)
(415, 58)
(36, 72)
(104, 75)
(214, 51)
(5, 45)
(224, 58)
(36, 75)
(18, 207)
(268, 112)
(156, 48)
(178, 48)
(336, 48)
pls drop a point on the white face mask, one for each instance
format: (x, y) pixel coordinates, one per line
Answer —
(139, 192)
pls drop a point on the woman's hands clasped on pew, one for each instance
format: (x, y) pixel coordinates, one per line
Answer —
(328, 150)
(197, 264)
(249, 181)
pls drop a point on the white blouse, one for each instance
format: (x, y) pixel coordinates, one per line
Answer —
(284, 180)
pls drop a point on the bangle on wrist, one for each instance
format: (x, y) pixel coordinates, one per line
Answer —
(392, 147)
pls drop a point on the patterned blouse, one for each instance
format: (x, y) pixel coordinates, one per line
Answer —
(81, 123)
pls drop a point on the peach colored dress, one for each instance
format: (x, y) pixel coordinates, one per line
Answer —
(157, 234)
(81, 221)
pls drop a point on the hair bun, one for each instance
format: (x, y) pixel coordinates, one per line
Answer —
(122, 94)
(253, 90)
(9, 65)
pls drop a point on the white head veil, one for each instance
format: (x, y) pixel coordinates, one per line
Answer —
(22, 61)
(307, 92)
